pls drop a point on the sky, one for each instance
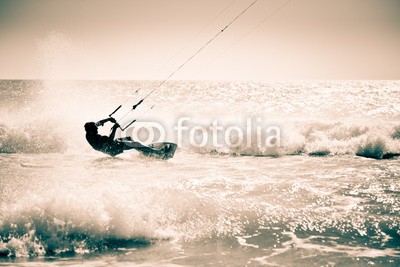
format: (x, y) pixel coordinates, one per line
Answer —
(150, 39)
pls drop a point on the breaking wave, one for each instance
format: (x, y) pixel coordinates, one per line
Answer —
(99, 216)
(31, 138)
(53, 113)
(314, 139)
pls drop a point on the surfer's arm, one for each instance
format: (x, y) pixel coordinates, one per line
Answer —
(113, 130)
(101, 122)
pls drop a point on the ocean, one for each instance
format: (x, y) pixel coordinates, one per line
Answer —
(276, 173)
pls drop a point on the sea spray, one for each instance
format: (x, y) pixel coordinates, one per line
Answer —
(34, 137)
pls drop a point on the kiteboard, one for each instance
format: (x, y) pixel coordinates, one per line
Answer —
(164, 150)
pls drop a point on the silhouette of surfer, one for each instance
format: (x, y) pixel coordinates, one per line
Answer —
(107, 144)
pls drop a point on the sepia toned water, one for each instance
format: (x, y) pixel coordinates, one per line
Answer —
(327, 193)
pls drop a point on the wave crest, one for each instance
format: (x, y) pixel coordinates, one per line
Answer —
(318, 139)
(31, 138)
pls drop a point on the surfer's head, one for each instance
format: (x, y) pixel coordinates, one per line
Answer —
(90, 127)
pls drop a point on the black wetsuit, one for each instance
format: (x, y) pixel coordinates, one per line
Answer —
(105, 144)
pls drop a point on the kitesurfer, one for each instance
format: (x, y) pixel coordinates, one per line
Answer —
(107, 144)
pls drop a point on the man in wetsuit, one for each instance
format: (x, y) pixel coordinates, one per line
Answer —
(107, 144)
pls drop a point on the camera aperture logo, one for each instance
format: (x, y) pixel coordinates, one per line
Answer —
(216, 133)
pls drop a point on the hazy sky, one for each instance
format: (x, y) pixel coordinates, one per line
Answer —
(140, 39)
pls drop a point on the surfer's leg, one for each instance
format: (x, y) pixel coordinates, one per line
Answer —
(123, 139)
(128, 145)
(136, 145)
